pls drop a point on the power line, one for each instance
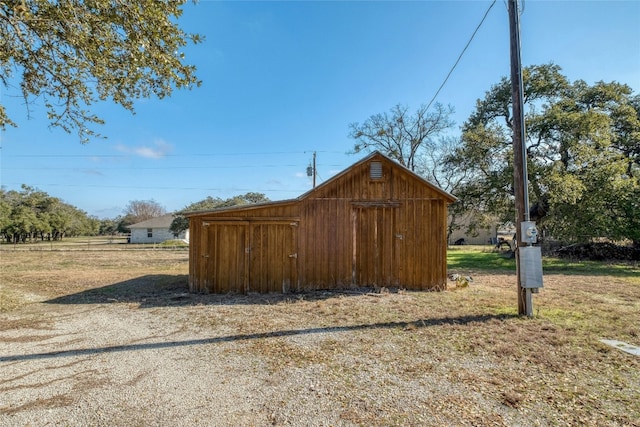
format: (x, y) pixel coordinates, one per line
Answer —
(98, 167)
(129, 187)
(460, 56)
(265, 153)
(209, 167)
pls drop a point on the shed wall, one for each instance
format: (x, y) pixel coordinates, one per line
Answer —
(373, 232)
(357, 230)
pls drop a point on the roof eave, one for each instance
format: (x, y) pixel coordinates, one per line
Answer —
(237, 208)
(450, 197)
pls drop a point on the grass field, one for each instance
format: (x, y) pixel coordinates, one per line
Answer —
(486, 259)
(496, 368)
(90, 243)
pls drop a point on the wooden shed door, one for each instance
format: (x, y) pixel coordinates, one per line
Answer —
(274, 255)
(226, 256)
(375, 247)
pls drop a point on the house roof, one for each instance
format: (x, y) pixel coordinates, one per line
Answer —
(447, 196)
(163, 221)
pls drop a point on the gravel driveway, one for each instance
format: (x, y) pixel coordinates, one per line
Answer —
(111, 364)
(117, 364)
(115, 340)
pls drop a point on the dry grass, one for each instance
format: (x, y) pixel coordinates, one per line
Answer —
(483, 364)
(32, 275)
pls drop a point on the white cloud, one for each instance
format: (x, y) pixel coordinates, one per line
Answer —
(158, 149)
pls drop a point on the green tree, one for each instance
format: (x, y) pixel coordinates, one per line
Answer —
(5, 210)
(180, 223)
(22, 222)
(244, 199)
(108, 227)
(583, 155)
(33, 214)
(69, 54)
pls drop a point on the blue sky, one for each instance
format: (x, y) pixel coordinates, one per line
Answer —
(284, 79)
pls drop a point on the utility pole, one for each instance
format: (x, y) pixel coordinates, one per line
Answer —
(315, 173)
(528, 258)
(311, 170)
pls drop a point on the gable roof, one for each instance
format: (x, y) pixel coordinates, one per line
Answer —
(163, 221)
(449, 197)
(375, 154)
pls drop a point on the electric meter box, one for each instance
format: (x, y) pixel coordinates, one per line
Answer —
(528, 232)
(530, 266)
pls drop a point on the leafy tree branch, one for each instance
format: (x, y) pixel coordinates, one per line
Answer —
(69, 54)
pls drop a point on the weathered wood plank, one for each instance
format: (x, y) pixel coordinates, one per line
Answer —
(353, 230)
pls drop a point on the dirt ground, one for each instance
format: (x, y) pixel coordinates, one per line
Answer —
(113, 338)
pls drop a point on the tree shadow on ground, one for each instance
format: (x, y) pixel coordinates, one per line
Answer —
(163, 290)
(420, 323)
(154, 290)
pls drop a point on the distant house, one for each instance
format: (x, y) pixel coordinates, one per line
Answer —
(155, 230)
(498, 234)
(481, 235)
(374, 224)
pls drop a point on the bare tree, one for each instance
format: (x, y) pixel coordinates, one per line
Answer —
(418, 142)
(142, 210)
(400, 135)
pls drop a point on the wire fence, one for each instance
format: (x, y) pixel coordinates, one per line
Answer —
(93, 244)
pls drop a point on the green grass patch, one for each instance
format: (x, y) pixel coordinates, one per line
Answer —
(561, 316)
(478, 258)
(506, 311)
(592, 268)
(470, 258)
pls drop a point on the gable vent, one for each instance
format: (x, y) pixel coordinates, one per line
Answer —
(375, 170)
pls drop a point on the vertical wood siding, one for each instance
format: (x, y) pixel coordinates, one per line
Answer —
(273, 259)
(350, 231)
(223, 250)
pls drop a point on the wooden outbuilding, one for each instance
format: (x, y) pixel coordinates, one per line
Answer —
(374, 224)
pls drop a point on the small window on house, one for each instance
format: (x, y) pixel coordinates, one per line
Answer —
(375, 170)
(149, 232)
